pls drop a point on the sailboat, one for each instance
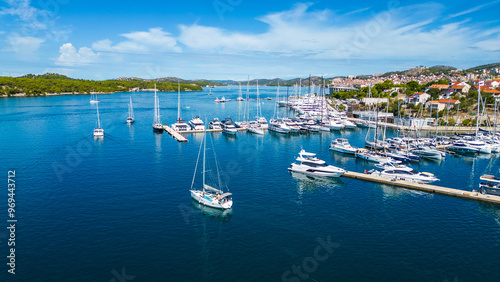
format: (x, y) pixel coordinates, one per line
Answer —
(208, 195)
(98, 132)
(240, 97)
(262, 121)
(130, 118)
(180, 125)
(157, 126)
(93, 98)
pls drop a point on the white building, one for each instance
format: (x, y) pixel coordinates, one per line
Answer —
(414, 122)
(374, 101)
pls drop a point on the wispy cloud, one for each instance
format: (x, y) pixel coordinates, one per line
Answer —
(472, 10)
(357, 11)
(155, 40)
(23, 47)
(29, 15)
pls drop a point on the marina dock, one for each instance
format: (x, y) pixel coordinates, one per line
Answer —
(175, 134)
(430, 130)
(476, 196)
(207, 130)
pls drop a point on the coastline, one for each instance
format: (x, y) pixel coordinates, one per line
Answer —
(23, 95)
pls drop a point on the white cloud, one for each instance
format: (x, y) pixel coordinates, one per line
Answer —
(71, 57)
(33, 17)
(24, 47)
(490, 44)
(155, 40)
(414, 31)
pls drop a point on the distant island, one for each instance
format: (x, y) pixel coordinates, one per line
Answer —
(56, 84)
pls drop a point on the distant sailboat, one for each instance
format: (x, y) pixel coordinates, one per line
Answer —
(130, 118)
(180, 125)
(208, 195)
(98, 132)
(93, 100)
(157, 126)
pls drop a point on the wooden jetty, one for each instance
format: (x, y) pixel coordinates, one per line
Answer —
(175, 134)
(424, 187)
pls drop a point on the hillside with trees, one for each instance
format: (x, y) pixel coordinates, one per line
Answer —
(40, 85)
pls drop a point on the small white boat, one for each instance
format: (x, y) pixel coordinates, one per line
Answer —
(98, 132)
(311, 165)
(489, 185)
(197, 124)
(373, 157)
(254, 127)
(429, 153)
(463, 147)
(130, 118)
(405, 174)
(342, 145)
(228, 127)
(215, 124)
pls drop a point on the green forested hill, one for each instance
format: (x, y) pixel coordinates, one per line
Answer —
(39, 85)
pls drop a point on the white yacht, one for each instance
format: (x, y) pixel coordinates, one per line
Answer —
(463, 147)
(373, 157)
(405, 174)
(429, 153)
(279, 127)
(481, 146)
(311, 165)
(197, 124)
(215, 124)
(262, 122)
(228, 127)
(489, 185)
(342, 145)
(254, 127)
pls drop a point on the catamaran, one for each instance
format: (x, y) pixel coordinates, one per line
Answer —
(130, 118)
(208, 195)
(180, 125)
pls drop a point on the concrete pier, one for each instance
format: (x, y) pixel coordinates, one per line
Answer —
(175, 134)
(425, 187)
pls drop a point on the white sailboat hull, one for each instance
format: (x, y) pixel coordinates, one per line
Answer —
(211, 200)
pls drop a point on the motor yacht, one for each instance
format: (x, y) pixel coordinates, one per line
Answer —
(311, 165)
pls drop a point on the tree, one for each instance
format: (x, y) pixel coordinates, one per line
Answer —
(413, 85)
(451, 121)
(466, 122)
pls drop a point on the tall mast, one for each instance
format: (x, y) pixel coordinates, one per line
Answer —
(98, 120)
(179, 102)
(478, 102)
(204, 150)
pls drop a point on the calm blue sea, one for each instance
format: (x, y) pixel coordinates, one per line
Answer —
(119, 209)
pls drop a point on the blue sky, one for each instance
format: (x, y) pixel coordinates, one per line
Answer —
(233, 39)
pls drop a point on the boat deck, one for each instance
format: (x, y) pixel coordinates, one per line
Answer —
(424, 187)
